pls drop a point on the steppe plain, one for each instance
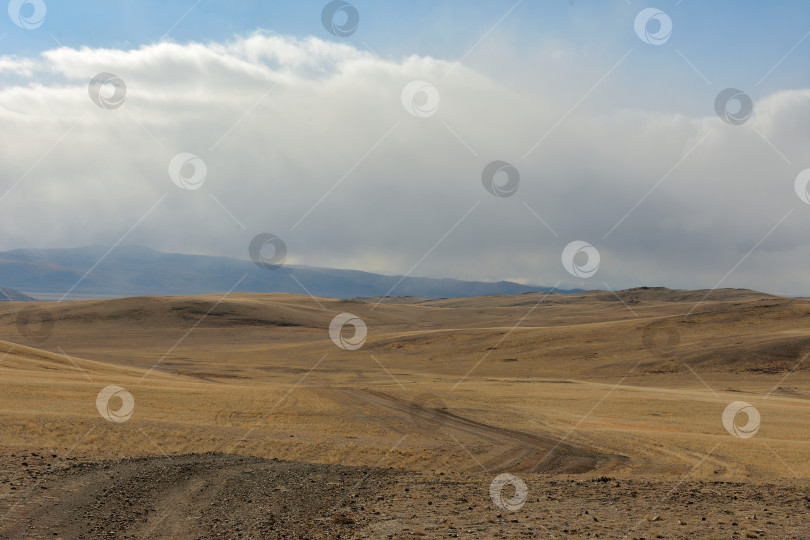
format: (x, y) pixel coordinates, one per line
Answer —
(249, 421)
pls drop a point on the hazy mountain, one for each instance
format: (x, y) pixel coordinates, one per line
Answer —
(10, 295)
(137, 271)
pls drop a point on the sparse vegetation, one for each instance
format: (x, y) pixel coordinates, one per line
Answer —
(254, 390)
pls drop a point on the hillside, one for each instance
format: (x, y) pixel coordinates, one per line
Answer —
(599, 402)
(587, 334)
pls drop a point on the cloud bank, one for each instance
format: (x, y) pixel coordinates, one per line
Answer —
(313, 141)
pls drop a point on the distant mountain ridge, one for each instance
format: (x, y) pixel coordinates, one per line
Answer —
(10, 295)
(140, 271)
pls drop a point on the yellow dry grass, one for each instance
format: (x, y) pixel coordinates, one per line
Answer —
(259, 375)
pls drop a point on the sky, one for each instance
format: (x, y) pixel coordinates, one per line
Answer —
(603, 145)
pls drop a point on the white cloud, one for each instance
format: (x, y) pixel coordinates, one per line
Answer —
(280, 122)
(17, 66)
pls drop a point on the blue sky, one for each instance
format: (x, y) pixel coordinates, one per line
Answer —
(310, 136)
(732, 41)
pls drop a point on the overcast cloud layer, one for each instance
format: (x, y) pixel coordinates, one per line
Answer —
(309, 140)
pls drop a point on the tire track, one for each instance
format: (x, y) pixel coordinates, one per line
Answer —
(523, 452)
(201, 496)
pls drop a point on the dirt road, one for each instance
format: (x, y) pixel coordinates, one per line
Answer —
(522, 452)
(198, 496)
(206, 496)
